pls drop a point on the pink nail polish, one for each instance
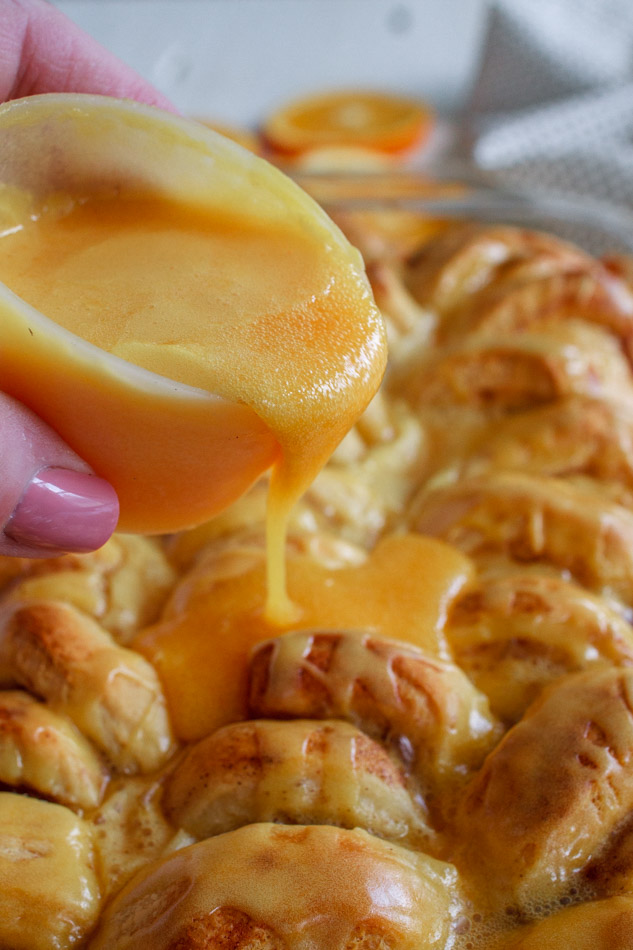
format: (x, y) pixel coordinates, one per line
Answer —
(65, 511)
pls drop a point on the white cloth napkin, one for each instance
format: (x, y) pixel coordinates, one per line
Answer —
(552, 103)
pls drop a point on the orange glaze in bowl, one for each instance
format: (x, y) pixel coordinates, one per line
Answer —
(136, 241)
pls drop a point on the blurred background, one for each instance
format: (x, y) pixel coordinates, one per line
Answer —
(237, 60)
(531, 96)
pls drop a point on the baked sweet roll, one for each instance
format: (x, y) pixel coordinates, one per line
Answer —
(423, 707)
(123, 585)
(350, 504)
(516, 631)
(294, 772)
(556, 786)
(50, 891)
(274, 887)
(536, 519)
(505, 280)
(508, 374)
(130, 829)
(410, 326)
(77, 710)
(576, 438)
(109, 692)
(43, 750)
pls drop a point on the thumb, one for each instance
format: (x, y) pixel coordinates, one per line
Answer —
(50, 501)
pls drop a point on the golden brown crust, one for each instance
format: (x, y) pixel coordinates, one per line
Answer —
(341, 885)
(424, 707)
(44, 752)
(575, 437)
(528, 518)
(597, 925)
(225, 928)
(122, 585)
(469, 257)
(558, 783)
(112, 694)
(516, 633)
(49, 892)
(530, 293)
(610, 871)
(504, 280)
(300, 772)
(508, 374)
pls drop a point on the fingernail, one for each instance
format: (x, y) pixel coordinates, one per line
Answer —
(65, 510)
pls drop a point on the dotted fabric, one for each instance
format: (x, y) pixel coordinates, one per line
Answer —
(552, 102)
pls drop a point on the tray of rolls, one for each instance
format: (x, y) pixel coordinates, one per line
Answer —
(437, 753)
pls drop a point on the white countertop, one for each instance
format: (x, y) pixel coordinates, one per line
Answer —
(236, 60)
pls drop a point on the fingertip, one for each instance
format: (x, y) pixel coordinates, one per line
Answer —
(50, 500)
(62, 511)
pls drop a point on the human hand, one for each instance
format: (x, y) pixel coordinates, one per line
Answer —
(41, 50)
(50, 501)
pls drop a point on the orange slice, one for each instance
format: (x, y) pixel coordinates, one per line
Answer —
(383, 121)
